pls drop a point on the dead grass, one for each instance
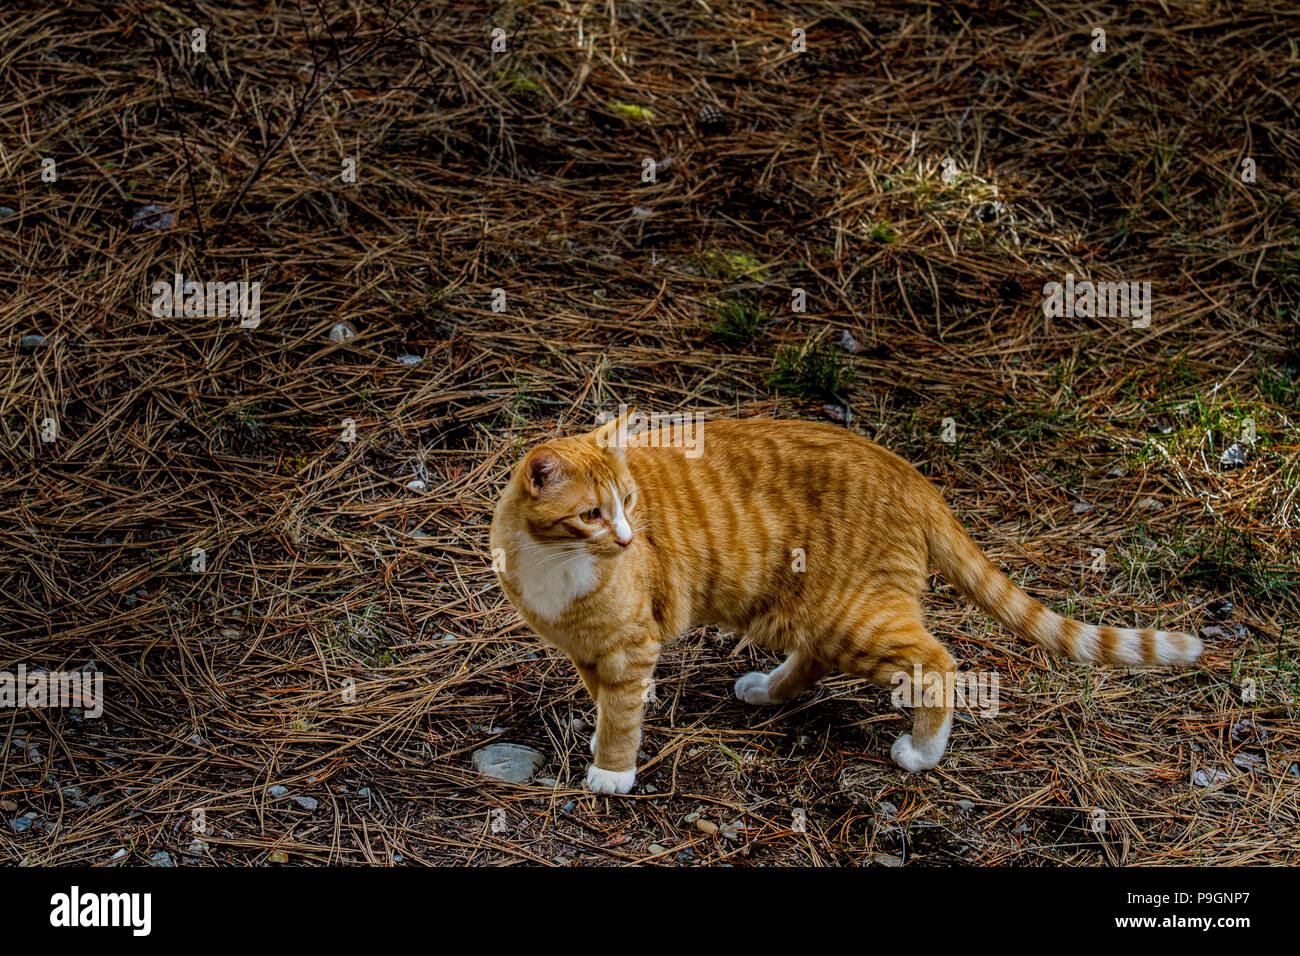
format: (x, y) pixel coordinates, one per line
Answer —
(522, 171)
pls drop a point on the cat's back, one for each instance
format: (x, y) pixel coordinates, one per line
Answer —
(769, 452)
(734, 512)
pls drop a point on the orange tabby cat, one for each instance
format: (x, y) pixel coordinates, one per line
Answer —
(808, 538)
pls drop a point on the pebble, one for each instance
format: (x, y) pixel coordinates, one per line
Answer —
(514, 763)
(307, 803)
(1233, 457)
(1207, 778)
(278, 856)
(151, 217)
(32, 341)
(277, 791)
(342, 332)
(416, 484)
(656, 849)
(848, 343)
(162, 858)
(966, 804)
(707, 827)
(410, 359)
(1081, 508)
(1248, 762)
(886, 859)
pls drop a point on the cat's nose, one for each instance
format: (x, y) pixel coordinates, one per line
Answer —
(623, 543)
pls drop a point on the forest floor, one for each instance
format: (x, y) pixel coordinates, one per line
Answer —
(273, 545)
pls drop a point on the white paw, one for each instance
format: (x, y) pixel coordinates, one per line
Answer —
(910, 758)
(610, 781)
(752, 688)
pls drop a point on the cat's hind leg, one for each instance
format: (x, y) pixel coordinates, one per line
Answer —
(797, 674)
(889, 645)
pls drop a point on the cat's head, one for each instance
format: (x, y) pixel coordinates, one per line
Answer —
(579, 490)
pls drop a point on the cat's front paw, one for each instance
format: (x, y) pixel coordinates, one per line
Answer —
(610, 781)
(752, 688)
(910, 758)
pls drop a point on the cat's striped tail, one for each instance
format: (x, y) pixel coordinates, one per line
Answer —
(964, 565)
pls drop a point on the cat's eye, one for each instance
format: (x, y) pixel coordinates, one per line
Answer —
(627, 499)
(591, 514)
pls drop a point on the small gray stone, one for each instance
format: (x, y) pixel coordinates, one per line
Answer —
(1207, 778)
(1233, 457)
(151, 217)
(307, 803)
(514, 763)
(886, 859)
(32, 341)
(161, 858)
(277, 791)
(410, 359)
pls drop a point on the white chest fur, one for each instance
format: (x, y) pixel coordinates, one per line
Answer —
(550, 578)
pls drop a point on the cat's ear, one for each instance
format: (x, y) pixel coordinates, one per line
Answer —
(542, 469)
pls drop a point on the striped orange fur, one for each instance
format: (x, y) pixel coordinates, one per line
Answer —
(806, 537)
